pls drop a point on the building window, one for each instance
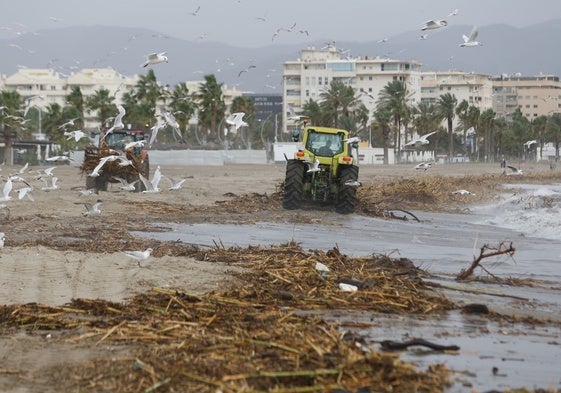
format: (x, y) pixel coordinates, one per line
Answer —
(319, 80)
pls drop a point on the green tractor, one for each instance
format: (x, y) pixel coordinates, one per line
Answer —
(324, 171)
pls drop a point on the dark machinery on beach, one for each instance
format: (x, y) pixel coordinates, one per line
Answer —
(114, 144)
(323, 171)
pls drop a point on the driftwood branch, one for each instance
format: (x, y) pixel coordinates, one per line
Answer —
(486, 251)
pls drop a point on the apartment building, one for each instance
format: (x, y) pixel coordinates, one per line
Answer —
(534, 95)
(308, 76)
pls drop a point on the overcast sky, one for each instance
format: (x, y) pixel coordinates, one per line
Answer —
(253, 23)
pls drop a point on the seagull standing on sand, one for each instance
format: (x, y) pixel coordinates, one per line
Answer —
(139, 255)
(155, 58)
(470, 41)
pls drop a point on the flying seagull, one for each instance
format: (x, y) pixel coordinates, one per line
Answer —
(471, 40)
(92, 210)
(314, 167)
(155, 58)
(423, 165)
(434, 24)
(77, 135)
(118, 122)
(421, 141)
(235, 119)
(514, 170)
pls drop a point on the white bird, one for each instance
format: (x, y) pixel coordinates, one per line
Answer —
(139, 255)
(134, 144)
(352, 140)
(421, 141)
(125, 185)
(58, 158)
(25, 191)
(48, 172)
(151, 186)
(93, 210)
(530, 143)
(118, 122)
(423, 36)
(470, 41)
(86, 192)
(2, 239)
(313, 167)
(515, 171)
(68, 123)
(463, 192)
(77, 135)
(23, 168)
(423, 165)
(175, 185)
(155, 130)
(434, 24)
(170, 120)
(155, 58)
(51, 187)
(6, 190)
(454, 13)
(235, 119)
(102, 161)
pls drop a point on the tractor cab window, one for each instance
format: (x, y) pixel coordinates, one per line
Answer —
(323, 144)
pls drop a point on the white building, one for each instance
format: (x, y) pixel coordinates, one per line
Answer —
(307, 77)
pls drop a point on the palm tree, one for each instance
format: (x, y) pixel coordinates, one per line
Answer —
(539, 125)
(211, 103)
(362, 116)
(446, 107)
(336, 100)
(487, 122)
(102, 102)
(312, 110)
(383, 118)
(473, 115)
(462, 113)
(183, 105)
(10, 102)
(394, 98)
(76, 106)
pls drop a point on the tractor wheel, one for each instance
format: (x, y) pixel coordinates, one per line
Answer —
(293, 185)
(346, 200)
(90, 183)
(101, 183)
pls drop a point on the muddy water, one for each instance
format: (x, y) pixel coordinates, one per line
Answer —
(442, 244)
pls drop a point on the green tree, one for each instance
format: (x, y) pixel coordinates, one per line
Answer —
(210, 100)
(312, 110)
(337, 100)
(10, 121)
(446, 107)
(487, 123)
(462, 111)
(75, 107)
(183, 106)
(382, 121)
(553, 132)
(102, 102)
(394, 98)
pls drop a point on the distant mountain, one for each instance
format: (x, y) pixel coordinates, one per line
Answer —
(530, 51)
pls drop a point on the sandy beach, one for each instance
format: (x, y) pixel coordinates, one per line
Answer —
(54, 253)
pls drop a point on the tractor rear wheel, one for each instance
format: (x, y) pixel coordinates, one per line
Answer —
(346, 200)
(293, 185)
